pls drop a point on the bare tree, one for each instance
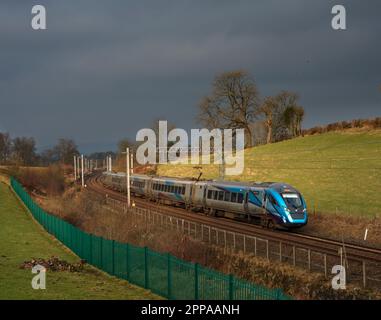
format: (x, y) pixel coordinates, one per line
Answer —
(24, 150)
(283, 116)
(5, 147)
(123, 144)
(233, 103)
(269, 109)
(65, 150)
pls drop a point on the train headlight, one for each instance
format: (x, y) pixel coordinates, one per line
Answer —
(284, 219)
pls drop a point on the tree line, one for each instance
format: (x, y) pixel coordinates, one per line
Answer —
(21, 151)
(235, 102)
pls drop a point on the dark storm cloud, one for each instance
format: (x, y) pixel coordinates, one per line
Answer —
(103, 70)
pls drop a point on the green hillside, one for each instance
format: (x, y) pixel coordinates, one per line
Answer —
(336, 172)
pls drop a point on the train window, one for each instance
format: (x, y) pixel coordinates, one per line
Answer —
(220, 195)
(209, 194)
(227, 196)
(183, 190)
(240, 198)
(272, 200)
(215, 195)
(234, 197)
(172, 189)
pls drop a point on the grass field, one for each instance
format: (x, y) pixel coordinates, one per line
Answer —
(22, 239)
(337, 172)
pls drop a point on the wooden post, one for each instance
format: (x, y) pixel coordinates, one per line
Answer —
(309, 259)
(280, 251)
(267, 249)
(325, 265)
(244, 243)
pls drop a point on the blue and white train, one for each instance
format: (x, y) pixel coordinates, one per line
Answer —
(271, 204)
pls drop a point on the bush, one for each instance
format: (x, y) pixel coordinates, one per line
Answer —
(45, 181)
(343, 125)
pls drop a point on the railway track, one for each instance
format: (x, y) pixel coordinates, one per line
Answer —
(322, 245)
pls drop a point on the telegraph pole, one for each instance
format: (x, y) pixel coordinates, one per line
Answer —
(75, 169)
(78, 167)
(128, 177)
(132, 163)
(82, 174)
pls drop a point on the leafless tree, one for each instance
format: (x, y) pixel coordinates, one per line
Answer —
(5, 147)
(283, 116)
(65, 150)
(24, 150)
(233, 103)
(269, 109)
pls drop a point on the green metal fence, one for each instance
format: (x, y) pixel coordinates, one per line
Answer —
(163, 274)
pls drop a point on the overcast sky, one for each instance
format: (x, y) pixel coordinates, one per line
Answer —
(104, 69)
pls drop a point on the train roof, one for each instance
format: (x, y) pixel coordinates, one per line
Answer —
(243, 184)
(279, 186)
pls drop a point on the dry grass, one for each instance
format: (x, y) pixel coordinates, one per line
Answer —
(44, 181)
(351, 229)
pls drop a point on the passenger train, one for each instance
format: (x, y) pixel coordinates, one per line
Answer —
(270, 204)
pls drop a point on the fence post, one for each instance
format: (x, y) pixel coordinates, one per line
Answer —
(169, 277)
(91, 249)
(101, 253)
(196, 281)
(128, 261)
(113, 259)
(231, 288)
(278, 294)
(146, 267)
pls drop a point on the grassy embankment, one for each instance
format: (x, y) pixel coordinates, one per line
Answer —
(22, 239)
(337, 172)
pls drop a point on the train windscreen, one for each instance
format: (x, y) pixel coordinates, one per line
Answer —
(292, 200)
